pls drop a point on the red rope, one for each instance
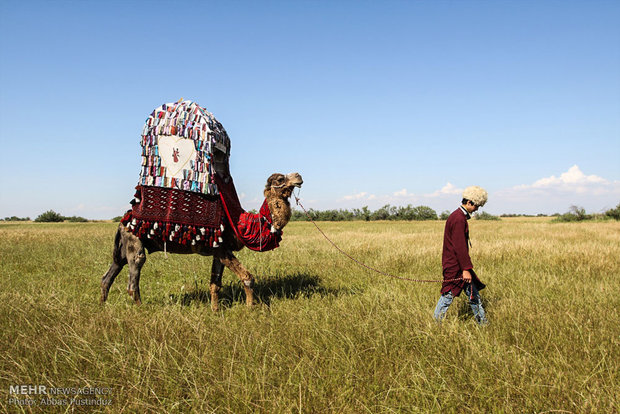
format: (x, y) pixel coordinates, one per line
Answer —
(363, 264)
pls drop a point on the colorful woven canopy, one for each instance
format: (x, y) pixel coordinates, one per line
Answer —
(179, 141)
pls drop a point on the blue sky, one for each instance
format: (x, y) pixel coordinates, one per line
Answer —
(391, 102)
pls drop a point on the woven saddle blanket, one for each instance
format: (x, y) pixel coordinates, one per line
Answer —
(175, 215)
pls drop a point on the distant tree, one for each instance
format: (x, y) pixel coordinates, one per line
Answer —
(575, 213)
(49, 216)
(424, 213)
(580, 212)
(444, 215)
(75, 219)
(15, 218)
(363, 214)
(613, 213)
(485, 216)
(297, 215)
(381, 214)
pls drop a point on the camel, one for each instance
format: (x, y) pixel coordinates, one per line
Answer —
(130, 249)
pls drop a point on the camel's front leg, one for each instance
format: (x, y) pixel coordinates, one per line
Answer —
(230, 261)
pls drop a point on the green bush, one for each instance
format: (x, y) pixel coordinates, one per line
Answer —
(49, 216)
(75, 219)
(574, 214)
(613, 213)
(485, 216)
(15, 218)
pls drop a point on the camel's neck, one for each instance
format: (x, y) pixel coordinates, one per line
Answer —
(280, 211)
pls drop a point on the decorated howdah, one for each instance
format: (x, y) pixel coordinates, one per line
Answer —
(178, 143)
(185, 193)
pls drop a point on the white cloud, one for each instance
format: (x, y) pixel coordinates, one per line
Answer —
(360, 196)
(402, 193)
(556, 194)
(448, 189)
(571, 181)
(573, 178)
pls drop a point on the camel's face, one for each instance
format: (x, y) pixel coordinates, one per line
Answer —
(294, 180)
(283, 184)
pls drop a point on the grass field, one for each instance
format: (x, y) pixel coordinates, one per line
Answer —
(327, 336)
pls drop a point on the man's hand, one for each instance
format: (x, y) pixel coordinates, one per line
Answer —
(467, 276)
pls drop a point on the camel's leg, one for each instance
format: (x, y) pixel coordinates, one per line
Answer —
(108, 279)
(230, 261)
(135, 258)
(119, 260)
(217, 268)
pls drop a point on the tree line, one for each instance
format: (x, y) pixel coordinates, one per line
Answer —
(387, 212)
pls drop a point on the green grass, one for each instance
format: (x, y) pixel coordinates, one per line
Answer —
(327, 336)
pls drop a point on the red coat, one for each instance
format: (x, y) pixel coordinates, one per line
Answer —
(455, 256)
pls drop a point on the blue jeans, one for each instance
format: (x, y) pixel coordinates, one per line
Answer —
(474, 301)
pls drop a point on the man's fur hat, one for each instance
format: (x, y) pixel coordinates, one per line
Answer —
(476, 195)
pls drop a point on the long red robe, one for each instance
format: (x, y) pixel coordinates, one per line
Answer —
(455, 256)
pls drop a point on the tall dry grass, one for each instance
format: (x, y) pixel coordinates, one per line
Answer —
(327, 335)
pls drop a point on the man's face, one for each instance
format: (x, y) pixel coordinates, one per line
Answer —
(471, 207)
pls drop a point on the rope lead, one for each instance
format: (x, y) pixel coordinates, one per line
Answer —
(365, 265)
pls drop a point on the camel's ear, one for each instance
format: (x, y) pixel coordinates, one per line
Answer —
(275, 180)
(271, 178)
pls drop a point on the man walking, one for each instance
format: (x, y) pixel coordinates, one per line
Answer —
(458, 270)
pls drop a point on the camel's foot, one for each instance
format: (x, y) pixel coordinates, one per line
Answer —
(249, 292)
(135, 295)
(104, 296)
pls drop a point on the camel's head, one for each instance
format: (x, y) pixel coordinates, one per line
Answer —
(282, 185)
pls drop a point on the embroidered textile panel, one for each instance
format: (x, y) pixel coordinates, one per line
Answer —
(178, 145)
